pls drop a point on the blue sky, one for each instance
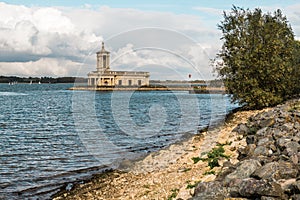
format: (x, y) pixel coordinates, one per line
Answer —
(173, 5)
(60, 37)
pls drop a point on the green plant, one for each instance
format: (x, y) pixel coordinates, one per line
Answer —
(190, 186)
(209, 172)
(196, 159)
(214, 155)
(174, 194)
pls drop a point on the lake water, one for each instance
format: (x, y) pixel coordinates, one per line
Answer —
(51, 136)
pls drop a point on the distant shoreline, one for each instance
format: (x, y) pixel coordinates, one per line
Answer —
(45, 79)
(192, 90)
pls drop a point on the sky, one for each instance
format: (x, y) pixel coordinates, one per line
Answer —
(170, 38)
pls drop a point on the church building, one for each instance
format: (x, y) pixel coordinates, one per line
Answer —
(103, 76)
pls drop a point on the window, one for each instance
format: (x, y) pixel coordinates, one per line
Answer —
(104, 61)
(139, 82)
(129, 82)
(120, 82)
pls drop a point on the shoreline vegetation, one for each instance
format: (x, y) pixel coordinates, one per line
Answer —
(16, 79)
(173, 172)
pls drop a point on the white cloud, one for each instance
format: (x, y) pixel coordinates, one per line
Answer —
(52, 21)
(65, 37)
(40, 41)
(43, 66)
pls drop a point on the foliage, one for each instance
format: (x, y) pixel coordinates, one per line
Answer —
(209, 172)
(296, 69)
(196, 159)
(257, 58)
(214, 155)
(174, 194)
(190, 185)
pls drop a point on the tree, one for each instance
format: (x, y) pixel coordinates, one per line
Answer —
(296, 70)
(257, 57)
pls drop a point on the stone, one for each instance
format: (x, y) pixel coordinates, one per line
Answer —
(262, 132)
(247, 151)
(277, 133)
(265, 141)
(288, 127)
(269, 198)
(295, 197)
(296, 187)
(267, 122)
(287, 185)
(209, 190)
(295, 159)
(267, 171)
(234, 187)
(281, 142)
(261, 150)
(244, 170)
(251, 139)
(257, 188)
(297, 124)
(241, 129)
(286, 170)
(292, 148)
(296, 138)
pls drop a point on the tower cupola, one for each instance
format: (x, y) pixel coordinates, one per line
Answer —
(103, 59)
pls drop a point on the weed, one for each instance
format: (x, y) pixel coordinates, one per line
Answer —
(214, 155)
(174, 194)
(196, 159)
(190, 186)
(209, 172)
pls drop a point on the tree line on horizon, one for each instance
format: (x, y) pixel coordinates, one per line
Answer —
(45, 79)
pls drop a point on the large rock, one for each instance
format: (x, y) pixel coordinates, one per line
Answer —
(262, 151)
(210, 190)
(267, 122)
(244, 170)
(267, 171)
(291, 148)
(247, 151)
(276, 171)
(257, 188)
(241, 129)
(288, 127)
(286, 170)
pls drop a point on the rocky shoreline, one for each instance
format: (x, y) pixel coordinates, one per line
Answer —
(242, 159)
(268, 166)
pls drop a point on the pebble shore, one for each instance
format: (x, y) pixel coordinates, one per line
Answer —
(171, 173)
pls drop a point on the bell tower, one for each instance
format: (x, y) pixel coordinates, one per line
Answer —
(103, 59)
